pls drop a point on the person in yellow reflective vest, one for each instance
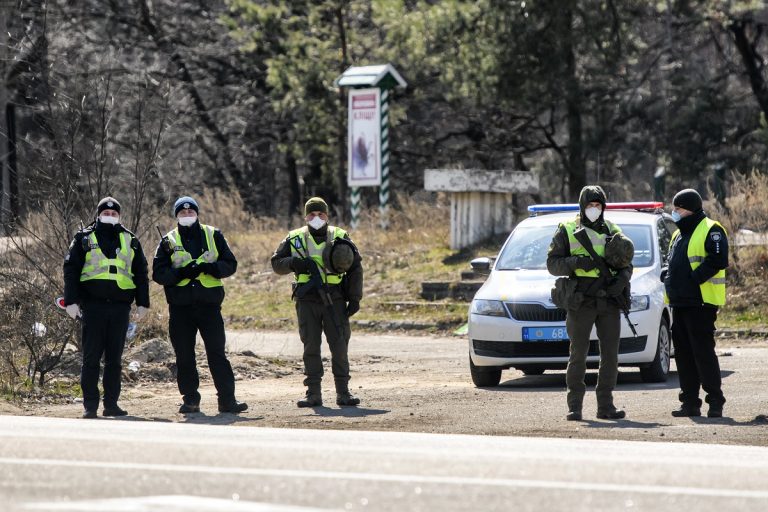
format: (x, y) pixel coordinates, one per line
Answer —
(104, 272)
(190, 263)
(325, 302)
(598, 305)
(694, 282)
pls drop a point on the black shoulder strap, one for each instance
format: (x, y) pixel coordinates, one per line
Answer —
(602, 266)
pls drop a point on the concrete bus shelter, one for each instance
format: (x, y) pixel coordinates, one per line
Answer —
(481, 200)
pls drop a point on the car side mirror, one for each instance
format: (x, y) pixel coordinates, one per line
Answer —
(481, 265)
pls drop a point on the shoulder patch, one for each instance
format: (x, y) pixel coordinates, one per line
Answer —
(716, 236)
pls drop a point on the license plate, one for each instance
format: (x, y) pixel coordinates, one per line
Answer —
(544, 334)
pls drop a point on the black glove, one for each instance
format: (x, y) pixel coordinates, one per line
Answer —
(207, 268)
(165, 245)
(615, 287)
(300, 265)
(663, 276)
(191, 271)
(353, 307)
(585, 263)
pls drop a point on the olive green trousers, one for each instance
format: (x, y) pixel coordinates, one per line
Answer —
(314, 320)
(606, 318)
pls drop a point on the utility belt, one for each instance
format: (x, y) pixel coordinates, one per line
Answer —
(571, 292)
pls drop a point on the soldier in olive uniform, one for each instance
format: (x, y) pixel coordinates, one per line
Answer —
(568, 257)
(326, 296)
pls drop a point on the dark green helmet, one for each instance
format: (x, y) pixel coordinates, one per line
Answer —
(338, 256)
(619, 251)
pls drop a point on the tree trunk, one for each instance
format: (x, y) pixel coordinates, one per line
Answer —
(342, 130)
(752, 63)
(576, 166)
(4, 139)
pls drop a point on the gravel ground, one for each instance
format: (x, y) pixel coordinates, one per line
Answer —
(422, 384)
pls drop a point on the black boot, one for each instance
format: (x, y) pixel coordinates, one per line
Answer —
(114, 410)
(346, 398)
(89, 414)
(232, 406)
(611, 414)
(189, 407)
(313, 398)
(573, 416)
(686, 410)
(715, 411)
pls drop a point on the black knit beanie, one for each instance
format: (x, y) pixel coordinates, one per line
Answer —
(688, 199)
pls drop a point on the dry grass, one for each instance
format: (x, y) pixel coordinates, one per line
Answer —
(746, 209)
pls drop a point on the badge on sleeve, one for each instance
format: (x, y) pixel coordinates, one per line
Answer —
(715, 236)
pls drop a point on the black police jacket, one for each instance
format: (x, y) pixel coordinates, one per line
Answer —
(193, 240)
(102, 290)
(681, 283)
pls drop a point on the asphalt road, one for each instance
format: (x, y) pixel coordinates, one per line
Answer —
(57, 464)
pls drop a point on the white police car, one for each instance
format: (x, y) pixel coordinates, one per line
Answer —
(514, 324)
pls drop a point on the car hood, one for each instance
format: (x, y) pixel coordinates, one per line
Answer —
(535, 285)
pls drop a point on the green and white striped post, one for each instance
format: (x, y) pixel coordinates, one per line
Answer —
(354, 209)
(369, 81)
(384, 188)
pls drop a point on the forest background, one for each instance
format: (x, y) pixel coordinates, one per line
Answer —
(233, 102)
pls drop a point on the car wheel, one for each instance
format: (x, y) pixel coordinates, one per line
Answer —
(532, 370)
(658, 370)
(484, 376)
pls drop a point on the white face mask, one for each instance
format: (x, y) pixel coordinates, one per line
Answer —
(187, 221)
(108, 219)
(316, 223)
(593, 213)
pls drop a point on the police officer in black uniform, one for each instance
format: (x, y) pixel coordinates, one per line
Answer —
(104, 272)
(190, 263)
(695, 287)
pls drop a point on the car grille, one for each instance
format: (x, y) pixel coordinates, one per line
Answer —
(548, 348)
(534, 312)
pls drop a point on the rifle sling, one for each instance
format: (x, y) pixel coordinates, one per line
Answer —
(602, 266)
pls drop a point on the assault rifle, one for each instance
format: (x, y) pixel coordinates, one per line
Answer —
(622, 301)
(316, 283)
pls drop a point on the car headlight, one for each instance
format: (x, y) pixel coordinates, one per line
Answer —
(639, 302)
(488, 307)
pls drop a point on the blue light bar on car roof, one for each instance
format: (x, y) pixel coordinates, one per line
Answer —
(535, 209)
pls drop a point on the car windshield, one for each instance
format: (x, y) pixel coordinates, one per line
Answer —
(527, 247)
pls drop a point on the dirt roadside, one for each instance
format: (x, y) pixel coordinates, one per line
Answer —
(422, 384)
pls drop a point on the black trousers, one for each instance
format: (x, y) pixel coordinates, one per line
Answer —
(104, 327)
(693, 334)
(184, 323)
(314, 320)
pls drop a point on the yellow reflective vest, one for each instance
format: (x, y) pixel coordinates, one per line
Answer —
(598, 244)
(713, 289)
(303, 246)
(98, 266)
(181, 258)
